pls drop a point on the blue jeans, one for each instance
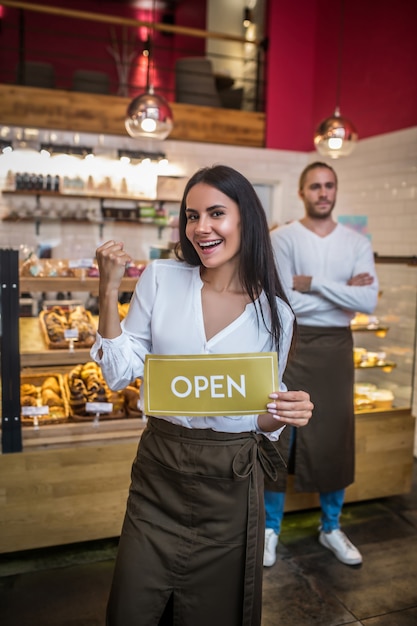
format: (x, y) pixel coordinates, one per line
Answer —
(331, 507)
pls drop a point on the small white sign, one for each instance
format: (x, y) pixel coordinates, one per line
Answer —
(86, 263)
(32, 411)
(99, 407)
(71, 333)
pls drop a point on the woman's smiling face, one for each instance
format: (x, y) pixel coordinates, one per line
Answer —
(213, 225)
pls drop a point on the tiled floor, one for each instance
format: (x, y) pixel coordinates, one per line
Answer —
(68, 586)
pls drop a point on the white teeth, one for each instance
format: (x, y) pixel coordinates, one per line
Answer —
(209, 244)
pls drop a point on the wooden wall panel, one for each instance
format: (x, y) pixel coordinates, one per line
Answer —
(95, 113)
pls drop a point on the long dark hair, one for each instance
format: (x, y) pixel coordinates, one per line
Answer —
(257, 270)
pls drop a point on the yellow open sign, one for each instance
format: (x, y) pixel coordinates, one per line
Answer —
(209, 384)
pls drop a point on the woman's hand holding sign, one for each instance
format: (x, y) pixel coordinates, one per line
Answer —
(287, 407)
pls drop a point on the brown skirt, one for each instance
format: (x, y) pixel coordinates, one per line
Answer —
(323, 455)
(194, 529)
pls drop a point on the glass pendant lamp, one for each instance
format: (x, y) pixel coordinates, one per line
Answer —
(336, 136)
(149, 115)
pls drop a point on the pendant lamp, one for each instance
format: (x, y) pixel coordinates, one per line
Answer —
(149, 115)
(336, 136)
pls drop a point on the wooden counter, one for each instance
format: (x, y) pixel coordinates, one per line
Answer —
(71, 481)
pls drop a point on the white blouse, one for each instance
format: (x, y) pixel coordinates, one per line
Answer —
(166, 317)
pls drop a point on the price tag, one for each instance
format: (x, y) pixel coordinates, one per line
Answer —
(32, 411)
(35, 412)
(86, 263)
(99, 407)
(71, 333)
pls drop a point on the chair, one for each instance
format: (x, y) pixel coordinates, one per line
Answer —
(231, 98)
(35, 74)
(195, 83)
(90, 81)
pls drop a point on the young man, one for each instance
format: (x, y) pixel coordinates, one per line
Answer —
(328, 273)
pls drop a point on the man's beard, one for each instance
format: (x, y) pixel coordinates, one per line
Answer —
(312, 212)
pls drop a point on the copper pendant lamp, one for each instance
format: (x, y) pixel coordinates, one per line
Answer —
(336, 136)
(149, 115)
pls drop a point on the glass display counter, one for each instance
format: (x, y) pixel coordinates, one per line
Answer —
(73, 477)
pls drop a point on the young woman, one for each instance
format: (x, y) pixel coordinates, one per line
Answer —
(191, 545)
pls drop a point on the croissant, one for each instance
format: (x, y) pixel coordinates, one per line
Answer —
(55, 329)
(28, 390)
(75, 372)
(99, 396)
(88, 371)
(77, 387)
(50, 398)
(92, 384)
(51, 383)
(27, 401)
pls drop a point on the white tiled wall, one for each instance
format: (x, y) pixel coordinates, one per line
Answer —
(380, 180)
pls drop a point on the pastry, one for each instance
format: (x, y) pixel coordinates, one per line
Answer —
(28, 401)
(27, 389)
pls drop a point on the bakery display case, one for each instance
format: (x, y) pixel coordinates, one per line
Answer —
(74, 470)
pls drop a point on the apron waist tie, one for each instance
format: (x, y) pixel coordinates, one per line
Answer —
(257, 449)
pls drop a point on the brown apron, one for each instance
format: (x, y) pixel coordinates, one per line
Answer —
(194, 529)
(323, 456)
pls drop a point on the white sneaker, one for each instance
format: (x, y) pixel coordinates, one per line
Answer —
(270, 549)
(339, 544)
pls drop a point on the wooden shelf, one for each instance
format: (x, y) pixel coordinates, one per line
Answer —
(54, 358)
(386, 412)
(82, 433)
(84, 196)
(45, 218)
(58, 283)
(378, 330)
(385, 365)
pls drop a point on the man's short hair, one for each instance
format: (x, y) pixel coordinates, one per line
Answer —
(313, 166)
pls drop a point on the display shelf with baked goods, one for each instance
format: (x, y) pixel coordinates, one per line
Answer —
(368, 397)
(78, 394)
(63, 332)
(365, 359)
(384, 344)
(363, 323)
(34, 352)
(51, 275)
(90, 398)
(43, 398)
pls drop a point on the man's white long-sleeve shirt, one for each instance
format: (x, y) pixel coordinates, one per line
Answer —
(331, 261)
(166, 317)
